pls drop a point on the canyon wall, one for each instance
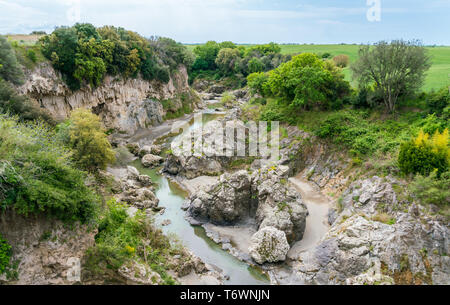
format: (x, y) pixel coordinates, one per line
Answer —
(123, 104)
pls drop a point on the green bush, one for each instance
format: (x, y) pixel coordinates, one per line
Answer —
(85, 54)
(10, 68)
(424, 155)
(37, 176)
(20, 105)
(306, 82)
(438, 101)
(5, 255)
(89, 142)
(432, 189)
(122, 239)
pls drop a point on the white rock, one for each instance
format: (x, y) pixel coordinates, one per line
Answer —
(269, 245)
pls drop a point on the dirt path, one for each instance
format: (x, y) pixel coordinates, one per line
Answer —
(316, 223)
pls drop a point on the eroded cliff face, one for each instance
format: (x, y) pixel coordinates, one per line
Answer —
(123, 104)
(45, 251)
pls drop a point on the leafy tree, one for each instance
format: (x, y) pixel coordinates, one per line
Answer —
(264, 49)
(257, 82)
(255, 65)
(307, 81)
(228, 60)
(10, 68)
(61, 47)
(89, 142)
(395, 68)
(207, 53)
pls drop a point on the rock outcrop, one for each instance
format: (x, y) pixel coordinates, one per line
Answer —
(45, 251)
(263, 195)
(269, 245)
(136, 190)
(122, 104)
(378, 239)
(211, 159)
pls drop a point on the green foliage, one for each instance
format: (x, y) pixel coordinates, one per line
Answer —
(394, 69)
(306, 81)
(20, 105)
(255, 65)
(264, 49)
(206, 55)
(85, 54)
(257, 82)
(88, 140)
(423, 155)
(439, 103)
(122, 239)
(227, 61)
(37, 176)
(10, 68)
(5, 255)
(432, 189)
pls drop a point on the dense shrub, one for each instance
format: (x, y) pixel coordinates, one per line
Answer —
(10, 68)
(86, 54)
(37, 176)
(306, 81)
(88, 140)
(431, 189)
(122, 239)
(257, 82)
(20, 105)
(439, 101)
(5, 255)
(424, 155)
(228, 61)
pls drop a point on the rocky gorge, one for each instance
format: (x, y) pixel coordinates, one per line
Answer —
(374, 234)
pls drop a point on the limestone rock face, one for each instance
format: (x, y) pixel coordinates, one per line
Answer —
(47, 250)
(151, 160)
(123, 104)
(139, 274)
(264, 196)
(211, 160)
(269, 245)
(226, 202)
(409, 247)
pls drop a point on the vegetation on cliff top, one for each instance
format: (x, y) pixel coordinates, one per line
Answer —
(85, 54)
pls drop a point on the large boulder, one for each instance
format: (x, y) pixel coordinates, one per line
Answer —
(269, 245)
(151, 160)
(265, 196)
(225, 202)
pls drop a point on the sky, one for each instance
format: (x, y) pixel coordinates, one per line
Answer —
(242, 21)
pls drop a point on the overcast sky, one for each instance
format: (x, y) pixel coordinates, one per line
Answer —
(242, 21)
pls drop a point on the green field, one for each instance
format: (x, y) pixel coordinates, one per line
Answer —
(437, 77)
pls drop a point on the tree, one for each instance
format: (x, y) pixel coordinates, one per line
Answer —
(307, 81)
(88, 141)
(10, 68)
(208, 53)
(227, 60)
(395, 68)
(255, 65)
